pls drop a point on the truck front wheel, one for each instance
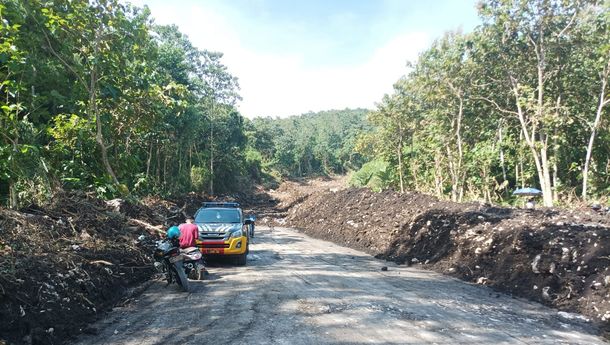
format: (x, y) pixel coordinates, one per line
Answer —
(241, 259)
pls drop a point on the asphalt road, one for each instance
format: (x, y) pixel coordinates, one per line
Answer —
(299, 290)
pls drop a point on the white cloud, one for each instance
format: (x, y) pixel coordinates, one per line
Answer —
(282, 84)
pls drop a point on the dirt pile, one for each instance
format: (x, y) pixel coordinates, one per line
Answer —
(63, 264)
(557, 257)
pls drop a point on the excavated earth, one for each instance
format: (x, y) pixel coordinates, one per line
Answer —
(64, 264)
(557, 257)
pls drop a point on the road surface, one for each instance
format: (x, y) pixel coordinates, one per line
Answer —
(299, 290)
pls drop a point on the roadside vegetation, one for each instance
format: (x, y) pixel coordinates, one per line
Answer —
(97, 101)
(95, 96)
(523, 100)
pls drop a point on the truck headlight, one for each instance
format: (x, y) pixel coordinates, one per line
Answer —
(236, 234)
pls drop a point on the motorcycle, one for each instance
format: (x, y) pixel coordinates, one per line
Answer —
(177, 264)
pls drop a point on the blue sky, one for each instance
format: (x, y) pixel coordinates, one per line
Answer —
(297, 56)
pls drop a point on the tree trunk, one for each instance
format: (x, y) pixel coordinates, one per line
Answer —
(438, 175)
(459, 184)
(158, 164)
(598, 116)
(547, 191)
(399, 154)
(299, 167)
(149, 159)
(165, 171)
(93, 109)
(452, 172)
(13, 199)
(540, 158)
(190, 157)
(486, 192)
(212, 154)
(500, 145)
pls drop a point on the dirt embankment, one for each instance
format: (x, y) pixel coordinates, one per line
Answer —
(63, 264)
(557, 257)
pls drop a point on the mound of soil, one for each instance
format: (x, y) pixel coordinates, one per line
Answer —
(557, 257)
(63, 264)
(294, 192)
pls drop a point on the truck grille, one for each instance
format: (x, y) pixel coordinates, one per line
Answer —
(211, 235)
(215, 245)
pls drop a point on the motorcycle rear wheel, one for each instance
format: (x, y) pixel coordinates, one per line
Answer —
(181, 278)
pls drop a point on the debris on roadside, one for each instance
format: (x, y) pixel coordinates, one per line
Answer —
(65, 263)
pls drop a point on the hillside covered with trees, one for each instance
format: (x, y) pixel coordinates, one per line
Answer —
(521, 101)
(95, 96)
(310, 144)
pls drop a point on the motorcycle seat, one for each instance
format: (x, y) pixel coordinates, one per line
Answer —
(191, 253)
(189, 250)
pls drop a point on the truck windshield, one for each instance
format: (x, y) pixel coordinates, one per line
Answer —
(217, 216)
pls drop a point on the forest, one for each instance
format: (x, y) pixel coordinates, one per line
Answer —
(520, 101)
(97, 97)
(310, 144)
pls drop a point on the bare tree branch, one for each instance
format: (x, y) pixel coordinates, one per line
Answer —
(491, 101)
(68, 66)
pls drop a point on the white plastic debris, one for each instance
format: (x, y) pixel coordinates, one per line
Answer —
(545, 292)
(565, 254)
(572, 316)
(482, 280)
(535, 264)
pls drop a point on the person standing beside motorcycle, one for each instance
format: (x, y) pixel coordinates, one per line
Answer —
(188, 233)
